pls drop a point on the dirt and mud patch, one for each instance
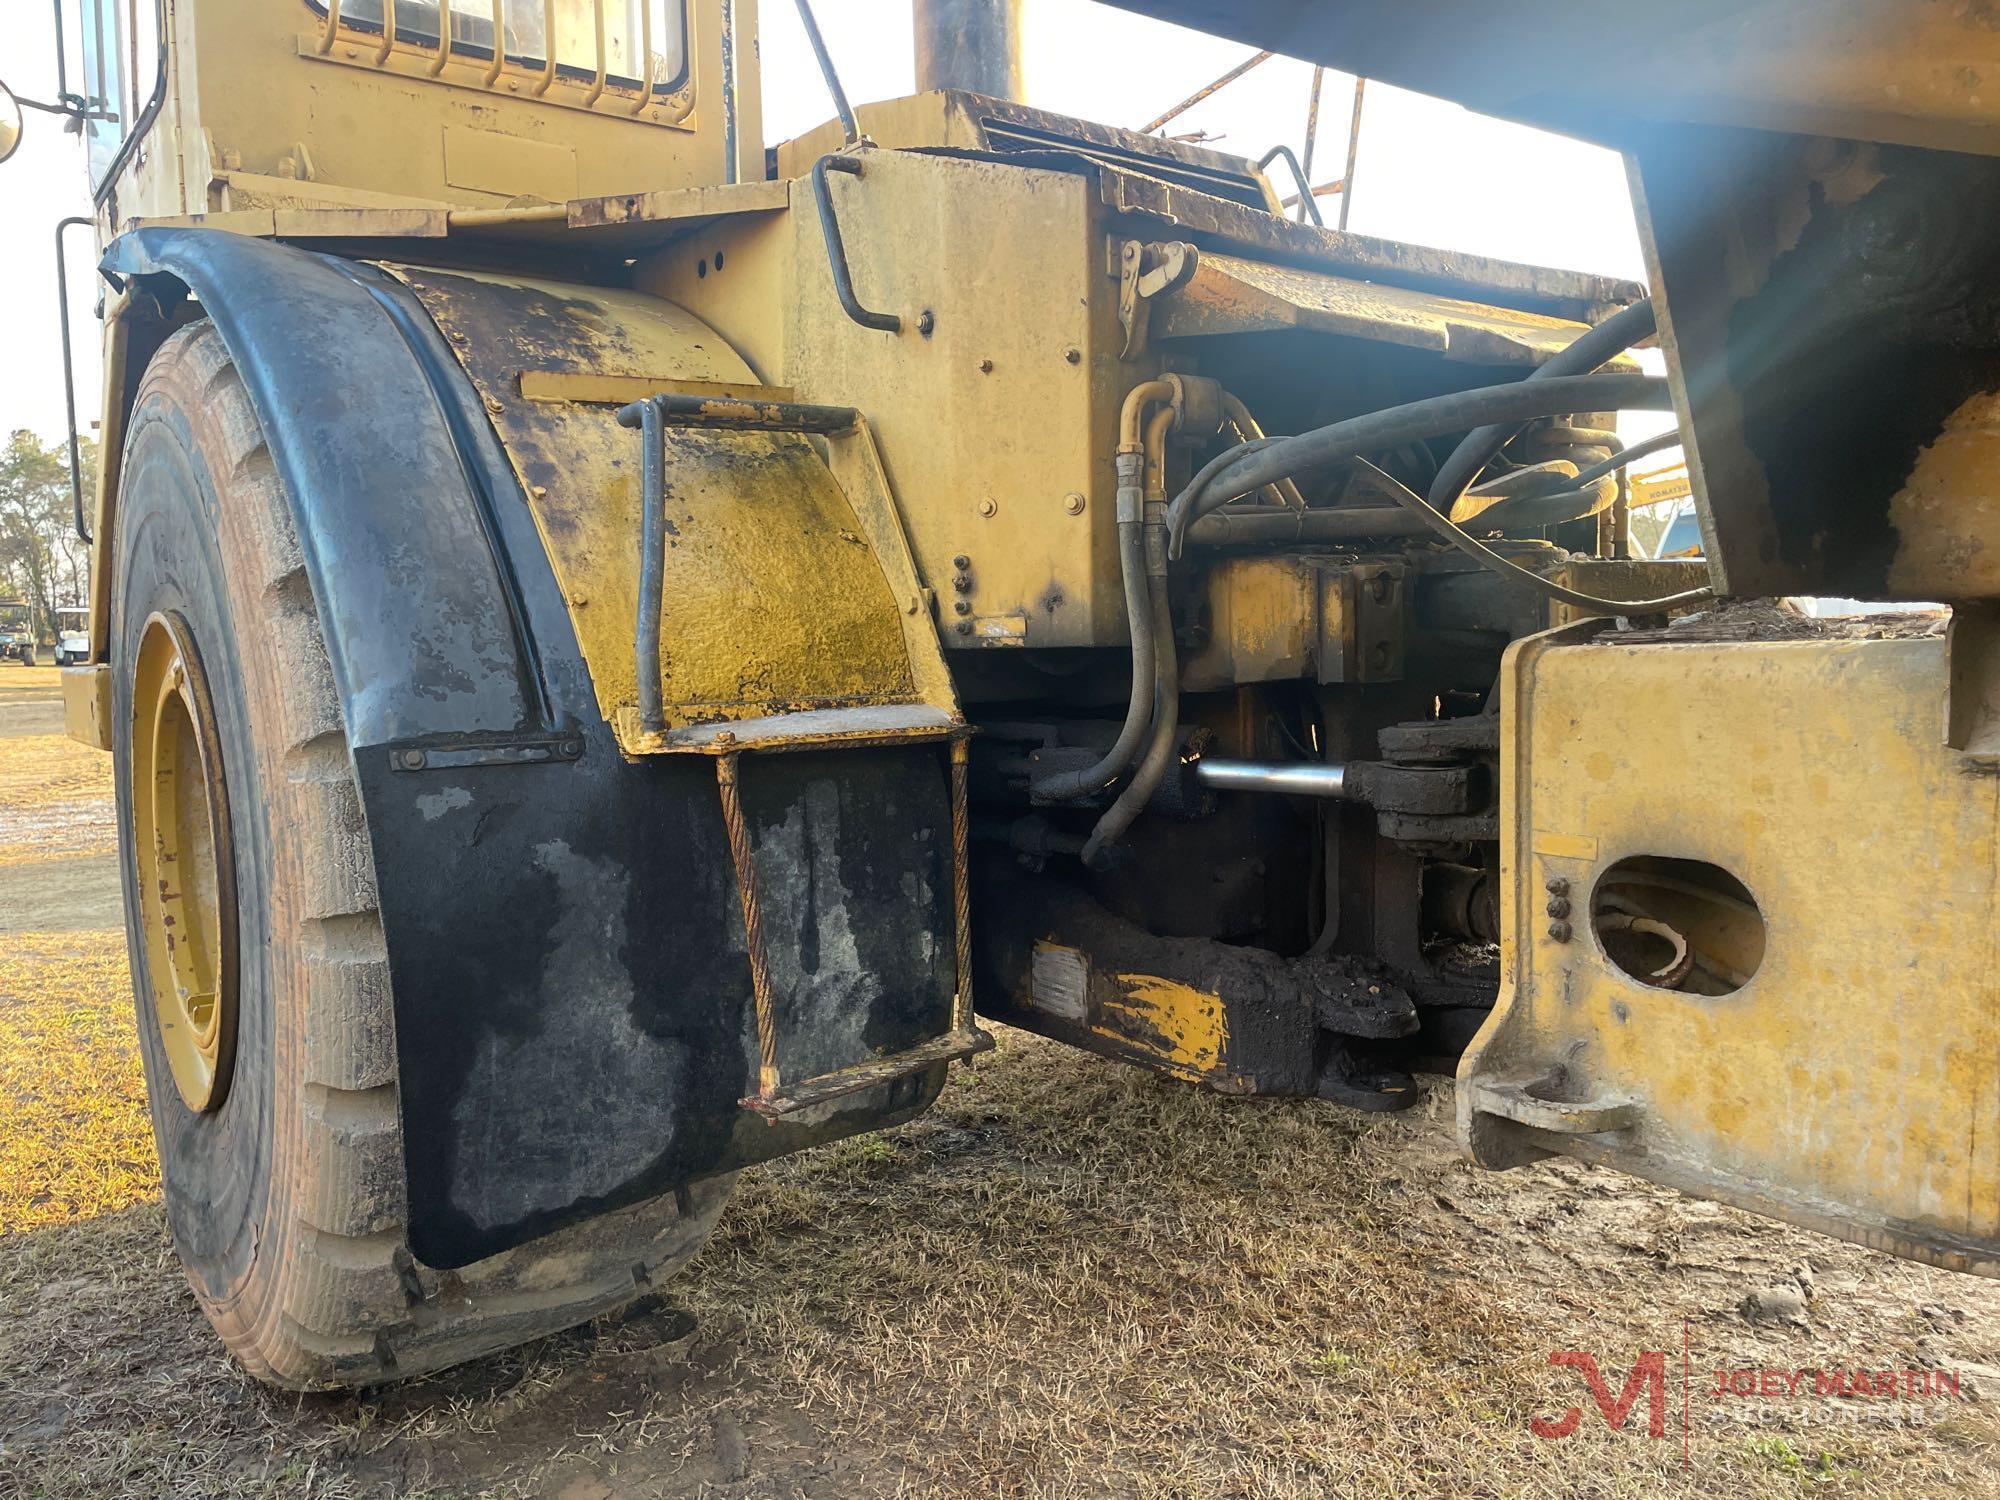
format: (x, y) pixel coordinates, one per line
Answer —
(1069, 1278)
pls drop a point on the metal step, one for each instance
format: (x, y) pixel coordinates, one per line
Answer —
(953, 1046)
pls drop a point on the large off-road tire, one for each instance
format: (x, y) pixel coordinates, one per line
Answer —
(285, 1190)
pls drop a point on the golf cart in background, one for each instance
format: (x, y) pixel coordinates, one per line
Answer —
(17, 632)
(72, 635)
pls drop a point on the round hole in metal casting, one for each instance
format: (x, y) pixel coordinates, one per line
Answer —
(1678, 924)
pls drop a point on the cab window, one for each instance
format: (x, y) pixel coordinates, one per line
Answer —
(123, 76)
(657, 28)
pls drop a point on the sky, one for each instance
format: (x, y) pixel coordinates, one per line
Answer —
(1428, 172)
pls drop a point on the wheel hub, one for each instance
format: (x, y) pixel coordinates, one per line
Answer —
(186, 868)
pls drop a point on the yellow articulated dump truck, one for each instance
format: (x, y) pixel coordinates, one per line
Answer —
(622, 641)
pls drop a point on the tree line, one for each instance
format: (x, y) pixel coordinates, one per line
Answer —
(42, 559)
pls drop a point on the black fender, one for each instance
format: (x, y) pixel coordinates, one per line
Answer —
(573, 1004)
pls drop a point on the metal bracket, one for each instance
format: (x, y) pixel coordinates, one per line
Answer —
(1146, 271)
(1540, 1105)
(520, 750)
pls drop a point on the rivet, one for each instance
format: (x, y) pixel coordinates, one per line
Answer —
(986, 367)
(926, 322)
(1073, 503)
(1073, 354)
(988, 506)
(961, 562)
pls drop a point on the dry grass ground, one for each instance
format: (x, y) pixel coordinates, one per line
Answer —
(1070, 1278)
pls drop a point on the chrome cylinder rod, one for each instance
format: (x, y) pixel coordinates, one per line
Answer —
(1296, 778)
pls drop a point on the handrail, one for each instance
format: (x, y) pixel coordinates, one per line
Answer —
(332, 27)
(836, 248)
(499, 34)
(1298, 174)
(548, 78)
(644, 69)
(69, 379)
(596, 89)
(850, 131)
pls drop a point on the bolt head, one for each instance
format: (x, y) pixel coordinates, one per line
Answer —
(961, 606)
(1073, 503)
(961, 562)
(726, 737)
(988, 506)
(1557, 886)
(963, 627)
(1073, 354)
(1559, 931)
(1558, 906)
(926, 322)
(961, 583)
(986, 367)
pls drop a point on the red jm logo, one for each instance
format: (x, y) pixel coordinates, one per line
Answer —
(1648, 1375)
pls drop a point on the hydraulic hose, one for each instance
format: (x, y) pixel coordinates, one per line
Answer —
(1141, 445)
(1481, 446)
(1141, 621)
(1252, 466)
(1164, 743)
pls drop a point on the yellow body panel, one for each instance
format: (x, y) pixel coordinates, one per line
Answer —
(988, 424)
(1853, 1083)
(86, 693)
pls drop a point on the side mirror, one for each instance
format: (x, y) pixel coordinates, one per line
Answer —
(10, 122)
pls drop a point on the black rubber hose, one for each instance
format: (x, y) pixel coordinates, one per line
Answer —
(1069, 785)
(1165, 741)
(1480, 447)
(1625, 456)
(1249, 467)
